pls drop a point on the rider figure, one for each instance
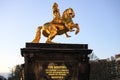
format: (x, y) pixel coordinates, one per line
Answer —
(56, 14)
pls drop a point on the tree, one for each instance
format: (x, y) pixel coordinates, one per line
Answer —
(93, 57)
(17, 73)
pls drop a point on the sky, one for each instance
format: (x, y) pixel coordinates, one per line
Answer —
(99, 22)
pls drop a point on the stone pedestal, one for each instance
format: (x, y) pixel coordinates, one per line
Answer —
(56, 61)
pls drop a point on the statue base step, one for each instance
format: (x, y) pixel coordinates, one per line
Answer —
(56, 61)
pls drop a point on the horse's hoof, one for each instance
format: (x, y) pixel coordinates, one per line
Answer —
(50, 42)
(68, 36)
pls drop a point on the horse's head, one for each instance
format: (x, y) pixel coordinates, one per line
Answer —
(68, 13)
(67, 16)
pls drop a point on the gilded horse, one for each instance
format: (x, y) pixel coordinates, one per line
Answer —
(51, 29)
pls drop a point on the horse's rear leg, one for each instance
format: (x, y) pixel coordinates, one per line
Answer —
(51, 36)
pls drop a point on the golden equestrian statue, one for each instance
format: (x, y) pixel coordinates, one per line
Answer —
(58, 26)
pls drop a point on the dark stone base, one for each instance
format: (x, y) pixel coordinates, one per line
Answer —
(56, 61)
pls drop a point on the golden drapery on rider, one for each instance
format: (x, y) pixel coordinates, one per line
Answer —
(58, 26)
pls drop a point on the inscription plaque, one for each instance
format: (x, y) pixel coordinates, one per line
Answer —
(57, 72)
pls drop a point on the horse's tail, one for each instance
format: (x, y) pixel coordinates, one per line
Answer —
(38, 35)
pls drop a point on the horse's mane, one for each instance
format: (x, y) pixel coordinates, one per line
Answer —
(64, 14)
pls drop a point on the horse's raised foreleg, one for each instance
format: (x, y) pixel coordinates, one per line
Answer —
(38, 35)
(67, 35)
(77, 27)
